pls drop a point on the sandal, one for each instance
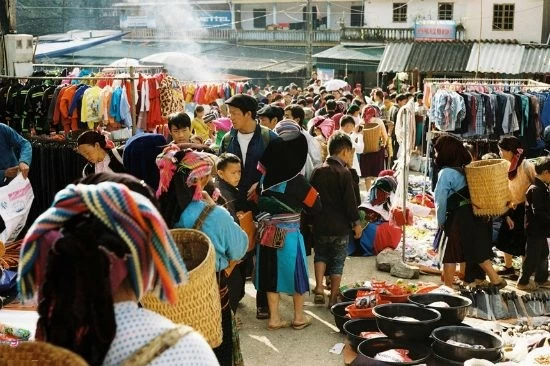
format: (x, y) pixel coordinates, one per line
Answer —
(319, 299)
(262, 313)
(300, 326)
(282, 324)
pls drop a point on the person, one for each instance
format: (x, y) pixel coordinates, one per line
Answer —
(348, 126)
(378, 234)
(248, 140)
(228, 170)
(283, 194)
(537, 229)
(101, 153)
(339, 215)
(420, 113)
(179, 125)
(198, 126)
(185, 203)
(321, 128)
(468, 236)
(296, 114)
(15, 155)
(521, 174)
(90, 266)
(269, 115)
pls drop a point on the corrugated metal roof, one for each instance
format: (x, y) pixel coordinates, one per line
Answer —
(439, 56)
(496, 58)
(536, 60)
(395, 57)
(364, 53)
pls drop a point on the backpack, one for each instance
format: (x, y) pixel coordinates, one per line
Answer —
(266, 137)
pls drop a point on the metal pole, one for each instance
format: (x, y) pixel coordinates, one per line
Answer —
(405, 177)
(132, 100)
(309, 40)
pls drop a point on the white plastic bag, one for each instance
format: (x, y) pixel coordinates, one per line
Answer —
(15, 204)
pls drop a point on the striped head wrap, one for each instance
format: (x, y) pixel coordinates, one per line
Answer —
(287, 130)
(200, 165)
(153, 261)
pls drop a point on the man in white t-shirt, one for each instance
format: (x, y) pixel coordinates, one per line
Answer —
(248, 140)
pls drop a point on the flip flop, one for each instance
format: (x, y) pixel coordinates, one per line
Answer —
(319, 299)
(300, 326)
(281, 325)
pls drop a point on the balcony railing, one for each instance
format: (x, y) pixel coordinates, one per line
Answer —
(281, 37)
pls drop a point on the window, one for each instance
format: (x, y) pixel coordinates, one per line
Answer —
(399, 12)
(259, 18)
(313, 13)
(445, 11)
(503, 17)
(356, 19)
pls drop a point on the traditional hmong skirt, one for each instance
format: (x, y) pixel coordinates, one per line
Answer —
(283, 269)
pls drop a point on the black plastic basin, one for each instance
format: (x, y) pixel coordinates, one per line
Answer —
(354, 327)
(406, 330)
(351, 293)
(493, 345)
(339, 313)
(369, 348)
(453, 315)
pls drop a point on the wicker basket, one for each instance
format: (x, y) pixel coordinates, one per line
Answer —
(198, 304)
(488, 186)
(372, 133)
(38, 353)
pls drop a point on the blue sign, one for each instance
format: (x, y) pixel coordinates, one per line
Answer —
(215, 19)
(435, 30)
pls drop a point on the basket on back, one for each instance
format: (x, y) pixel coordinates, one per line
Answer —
(488, 186)
(372, 134)
(198, 304)
(38, 353)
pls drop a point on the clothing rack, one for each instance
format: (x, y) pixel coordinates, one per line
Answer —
(139, 67)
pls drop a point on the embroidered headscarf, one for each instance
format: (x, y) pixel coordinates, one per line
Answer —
(512, 144)
(325, 124)
(153, 260)
(199, 164)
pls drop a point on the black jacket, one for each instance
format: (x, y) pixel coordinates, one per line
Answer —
(334, 182)
(537, 210)
(231, 196)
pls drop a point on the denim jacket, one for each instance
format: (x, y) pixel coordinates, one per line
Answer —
(14, 149)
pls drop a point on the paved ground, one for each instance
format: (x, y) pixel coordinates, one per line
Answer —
(311, 345)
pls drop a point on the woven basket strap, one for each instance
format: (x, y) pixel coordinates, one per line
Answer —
(204, 213)
(146, 354)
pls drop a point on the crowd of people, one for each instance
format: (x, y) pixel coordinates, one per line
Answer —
(292, 159)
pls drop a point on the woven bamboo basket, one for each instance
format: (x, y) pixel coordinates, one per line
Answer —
(198, 302)
(488, 186)
(372, 133)
(38, 353)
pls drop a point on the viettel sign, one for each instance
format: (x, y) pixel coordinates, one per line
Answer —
(435, 30)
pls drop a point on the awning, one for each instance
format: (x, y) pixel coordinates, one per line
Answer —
(353, 58)
(501, 58)
(395, 57)
(536, 60)
(439, 56)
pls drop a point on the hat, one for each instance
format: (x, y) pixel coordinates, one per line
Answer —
(243, 102)
(271, 111)
(287, 130)
(283, 160)
(209, 117)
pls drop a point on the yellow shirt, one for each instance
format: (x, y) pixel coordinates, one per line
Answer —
(200, 128)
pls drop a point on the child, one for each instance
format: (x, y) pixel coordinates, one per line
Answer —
(180, 127)
(348, 126)
(198, 126)
(229, 176)
(333, 181)
(537, 229)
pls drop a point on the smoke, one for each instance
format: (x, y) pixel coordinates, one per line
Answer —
(178, 26)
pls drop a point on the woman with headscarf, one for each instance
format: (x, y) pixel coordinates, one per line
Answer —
(521, 174)
(321, 128)
(186, 204)
(91, 256)
(372, 163)
(100, 152)
(378, 234)
(283, 193)
(468, 237)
